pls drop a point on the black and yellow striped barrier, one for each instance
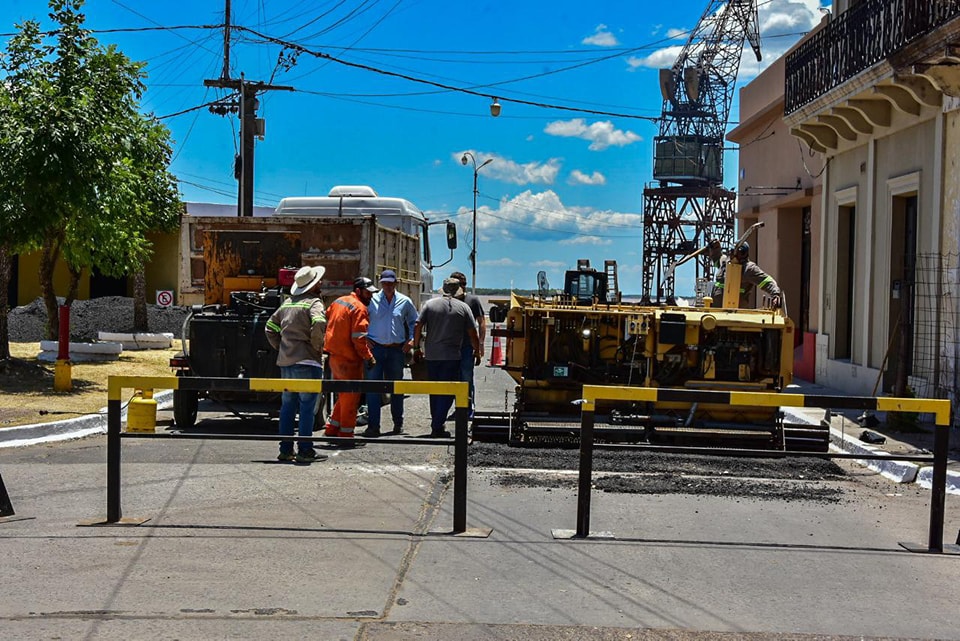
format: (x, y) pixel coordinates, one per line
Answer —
(116, 384)
(940, 409)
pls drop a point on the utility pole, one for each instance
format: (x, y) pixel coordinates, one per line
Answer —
(225, 74)
(251, 127)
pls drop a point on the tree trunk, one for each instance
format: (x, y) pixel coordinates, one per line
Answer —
(140, 318)
(4, 301)
(48, 260)
(74, 288)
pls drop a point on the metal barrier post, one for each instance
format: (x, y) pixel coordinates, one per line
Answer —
(6, 507)
(460, 471)
(586, 472)
(938, 489)
(113, 461)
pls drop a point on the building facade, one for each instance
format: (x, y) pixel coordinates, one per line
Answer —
(779, 183)
(875, 91)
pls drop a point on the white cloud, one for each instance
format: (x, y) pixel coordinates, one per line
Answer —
(601, 37)
(542, 216)
(587, 240)
(550, 264)
(509, 171)
(500, 262)
(659, 59)
(601, 134)
(781, 22)
(577, 177)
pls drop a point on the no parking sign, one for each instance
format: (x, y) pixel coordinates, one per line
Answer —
(164, 297)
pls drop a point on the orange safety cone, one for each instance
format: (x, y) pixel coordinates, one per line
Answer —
(496, 354)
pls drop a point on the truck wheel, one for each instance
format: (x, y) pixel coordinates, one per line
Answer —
(185, 408)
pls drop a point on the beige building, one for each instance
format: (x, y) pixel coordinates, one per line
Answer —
(873, 91)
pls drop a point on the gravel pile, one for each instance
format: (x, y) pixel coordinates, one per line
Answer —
(88, 317)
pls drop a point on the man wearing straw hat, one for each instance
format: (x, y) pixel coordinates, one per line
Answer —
(296, 330)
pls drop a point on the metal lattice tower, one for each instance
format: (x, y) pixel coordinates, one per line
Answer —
(688, 150)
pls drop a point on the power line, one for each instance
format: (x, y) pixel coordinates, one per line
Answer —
(180, 27)
(189, 109)
(471, 92)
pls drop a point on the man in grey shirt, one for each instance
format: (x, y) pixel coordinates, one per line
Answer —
(446, 324)
(468, 359)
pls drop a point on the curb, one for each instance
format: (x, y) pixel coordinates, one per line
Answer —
(897, 471)
(68, 429)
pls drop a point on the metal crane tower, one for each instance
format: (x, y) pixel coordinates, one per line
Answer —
(689, 206)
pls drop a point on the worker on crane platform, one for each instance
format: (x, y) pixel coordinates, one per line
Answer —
(751, 276)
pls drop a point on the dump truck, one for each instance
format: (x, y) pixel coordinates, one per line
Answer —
(235, 272)
(556, 342)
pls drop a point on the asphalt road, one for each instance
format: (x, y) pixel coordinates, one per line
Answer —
(360, 546)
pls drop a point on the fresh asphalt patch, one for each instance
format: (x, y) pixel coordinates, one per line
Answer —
(633, 472)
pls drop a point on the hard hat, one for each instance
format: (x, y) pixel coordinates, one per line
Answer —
(743, 249)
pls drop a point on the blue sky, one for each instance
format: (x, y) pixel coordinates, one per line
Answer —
(563, 185)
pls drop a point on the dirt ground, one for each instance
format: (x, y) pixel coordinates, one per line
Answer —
(26, 384)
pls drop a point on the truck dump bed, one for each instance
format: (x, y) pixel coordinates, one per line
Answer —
(223, 254)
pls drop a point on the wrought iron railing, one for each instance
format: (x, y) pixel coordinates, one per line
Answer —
(856, 40)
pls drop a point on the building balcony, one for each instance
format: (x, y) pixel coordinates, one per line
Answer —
(876, 59)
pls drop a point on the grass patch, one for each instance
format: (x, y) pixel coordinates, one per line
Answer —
(26, 384)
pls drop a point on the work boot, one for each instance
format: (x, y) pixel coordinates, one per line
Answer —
(371, 432)
(310, 456)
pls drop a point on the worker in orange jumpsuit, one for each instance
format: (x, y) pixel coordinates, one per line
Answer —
(346, 343)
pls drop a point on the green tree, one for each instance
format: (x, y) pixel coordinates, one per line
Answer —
(24, 212)
(92, 168)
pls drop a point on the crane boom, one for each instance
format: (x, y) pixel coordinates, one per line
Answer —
(697, 93)
(690, 206)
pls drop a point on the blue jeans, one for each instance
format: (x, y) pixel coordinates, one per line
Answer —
(466, 368)
(389, 367)
(304, 403)
(440, 404)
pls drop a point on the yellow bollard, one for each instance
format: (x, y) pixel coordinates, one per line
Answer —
(142, 412)
(62, 377)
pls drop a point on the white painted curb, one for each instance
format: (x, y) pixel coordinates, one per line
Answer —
(80, 352)
(138, 341)
(66, 430)
(897, 471)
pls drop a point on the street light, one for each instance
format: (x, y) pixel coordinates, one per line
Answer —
(473, 251)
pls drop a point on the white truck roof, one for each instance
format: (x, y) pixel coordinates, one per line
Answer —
(395, 213)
